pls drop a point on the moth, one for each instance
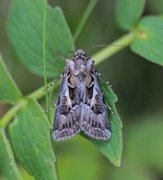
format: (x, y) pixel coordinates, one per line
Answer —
(81, 105)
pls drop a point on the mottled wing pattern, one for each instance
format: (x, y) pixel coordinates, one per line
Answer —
(94, 115)
(66, 123)
(81, 104)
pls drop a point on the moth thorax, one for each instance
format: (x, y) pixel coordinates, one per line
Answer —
(79, 65)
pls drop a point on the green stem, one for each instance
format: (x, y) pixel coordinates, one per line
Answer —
(84, 18)
(11, 113)
(44, 56)
(39, 93)
(99, 57)
(114, 47)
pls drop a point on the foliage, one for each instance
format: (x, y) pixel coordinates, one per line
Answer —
(30, 130)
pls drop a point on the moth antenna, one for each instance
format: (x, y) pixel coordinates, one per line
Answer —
(49, 86)
(45, 110)
(50, 108)
(104, 45)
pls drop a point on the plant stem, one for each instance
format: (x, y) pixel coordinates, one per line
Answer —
(39, 93)
(35, 95)
(44, 56)
(84, 18)
(99, 57)
(11, 113)
(114, 47)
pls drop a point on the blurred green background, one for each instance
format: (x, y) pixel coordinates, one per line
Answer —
(137, 82)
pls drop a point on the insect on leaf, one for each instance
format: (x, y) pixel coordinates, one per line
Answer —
(82, 107)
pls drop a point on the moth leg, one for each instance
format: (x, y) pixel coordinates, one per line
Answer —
(52, 83)
(50, 108)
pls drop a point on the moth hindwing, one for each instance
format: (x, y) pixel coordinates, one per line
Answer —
(81, 105)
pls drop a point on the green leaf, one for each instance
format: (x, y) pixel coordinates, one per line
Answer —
(30, 136)
(128, 13)
(144, 147)
(7, 162)
(25, 30)
(148, 40)
(112, 148)
(9, 93)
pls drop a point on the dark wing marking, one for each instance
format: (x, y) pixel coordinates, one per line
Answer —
(66, 123)
(94, 116)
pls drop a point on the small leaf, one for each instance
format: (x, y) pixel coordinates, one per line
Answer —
(7, 162)
(128, 13)
(25, 29)
(30, 136)
(9, 93)
(148, 41)
(112, 148)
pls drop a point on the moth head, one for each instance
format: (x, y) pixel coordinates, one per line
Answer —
(79, 54)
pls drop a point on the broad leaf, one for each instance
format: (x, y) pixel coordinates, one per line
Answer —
(148, 41)
(112, 148)
(128, 13)
(7, 162)
(8, 90)
(25, 29)
(30, 136)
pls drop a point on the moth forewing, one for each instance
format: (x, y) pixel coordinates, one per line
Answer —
(95, 121)
(66, 123)
(81, 104)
